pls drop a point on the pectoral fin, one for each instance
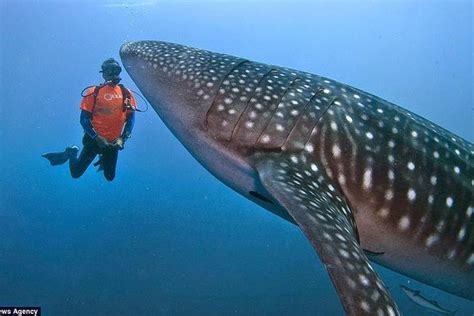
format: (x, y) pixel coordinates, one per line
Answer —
(324, 216)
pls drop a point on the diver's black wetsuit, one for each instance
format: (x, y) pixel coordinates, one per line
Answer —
(78, 165)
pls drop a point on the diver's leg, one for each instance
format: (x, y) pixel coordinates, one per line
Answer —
(109, 163)
(78, 166)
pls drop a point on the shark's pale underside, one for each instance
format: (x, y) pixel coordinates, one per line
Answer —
(359, 175)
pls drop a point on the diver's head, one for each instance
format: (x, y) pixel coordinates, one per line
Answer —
(111, 70)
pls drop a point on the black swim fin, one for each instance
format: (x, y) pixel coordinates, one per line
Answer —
(59, 158)
(56, 159)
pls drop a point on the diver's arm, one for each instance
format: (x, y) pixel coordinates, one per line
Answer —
(127, 131)
(86, 122)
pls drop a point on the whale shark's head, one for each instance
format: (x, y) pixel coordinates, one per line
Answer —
(189, 88)
(180, 82)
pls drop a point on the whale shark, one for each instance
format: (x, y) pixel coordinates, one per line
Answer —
(362, 177)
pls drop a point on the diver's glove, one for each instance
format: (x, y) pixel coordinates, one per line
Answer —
(119, 143)
(101, 141)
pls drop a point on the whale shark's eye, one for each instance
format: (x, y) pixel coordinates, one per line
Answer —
(260, 197)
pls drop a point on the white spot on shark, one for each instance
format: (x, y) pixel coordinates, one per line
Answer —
(336, 151)
(367, 182)
(431, 240)
(411, 194)
(404, 223)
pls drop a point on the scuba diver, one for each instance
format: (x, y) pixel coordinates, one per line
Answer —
(107, 117)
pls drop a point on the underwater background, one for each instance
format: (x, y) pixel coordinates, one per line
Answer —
(165, 237)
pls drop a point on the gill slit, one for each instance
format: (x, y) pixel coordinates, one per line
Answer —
(317, 93)
(248, 102)
(295, 79)
(319, 120)
(240, 63)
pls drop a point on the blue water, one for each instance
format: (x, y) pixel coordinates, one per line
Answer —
(166, 238)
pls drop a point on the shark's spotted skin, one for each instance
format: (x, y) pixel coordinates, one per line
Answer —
(261, 107)
(402, 174)
(344, 165)
(326, 219)
(233, 98)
